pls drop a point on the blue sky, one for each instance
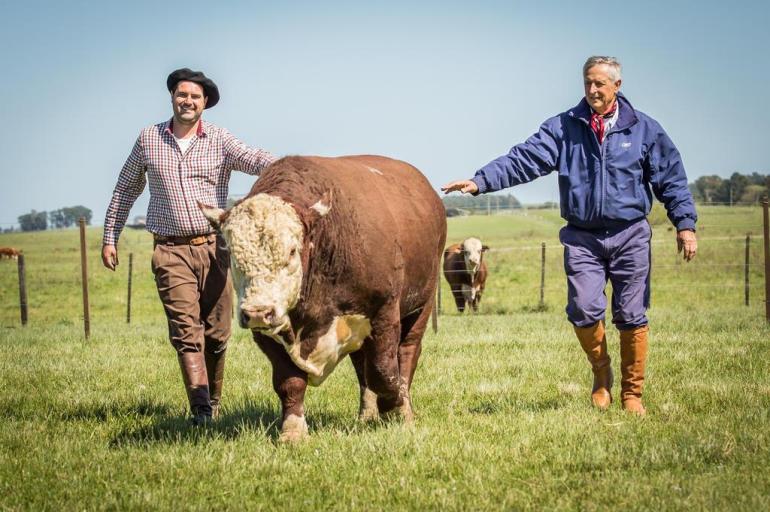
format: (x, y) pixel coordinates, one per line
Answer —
(447, 86)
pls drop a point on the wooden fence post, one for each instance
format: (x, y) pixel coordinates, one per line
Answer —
(746, 269)
(130, 275)
(542, 275)
(84, 275)
(22, 290)
(766, 230)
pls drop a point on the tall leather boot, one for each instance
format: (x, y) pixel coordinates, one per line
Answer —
(215, 368)
(196, 384)
(633, 355)
(594, 343)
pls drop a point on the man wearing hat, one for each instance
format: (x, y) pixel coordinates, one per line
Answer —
(186, 160)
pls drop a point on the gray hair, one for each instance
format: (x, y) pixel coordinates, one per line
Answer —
(611, 62)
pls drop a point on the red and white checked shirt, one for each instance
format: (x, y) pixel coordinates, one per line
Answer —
(178, 181)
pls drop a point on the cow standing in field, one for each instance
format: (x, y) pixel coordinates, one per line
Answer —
(336, 256)
(466, 272)
(10, 253)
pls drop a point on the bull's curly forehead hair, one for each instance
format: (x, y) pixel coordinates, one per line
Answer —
(612, 64)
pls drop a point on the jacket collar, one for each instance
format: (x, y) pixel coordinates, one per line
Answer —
(626, 115)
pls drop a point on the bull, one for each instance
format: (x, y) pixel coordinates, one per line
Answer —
(466, 272)
(336, 256)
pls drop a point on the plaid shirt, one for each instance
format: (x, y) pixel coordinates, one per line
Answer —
(178, 181)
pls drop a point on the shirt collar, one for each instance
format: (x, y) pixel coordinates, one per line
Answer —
(200, 131)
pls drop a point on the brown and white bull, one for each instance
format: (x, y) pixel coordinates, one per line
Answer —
(336, 256)
(10, 253)
(466, 272)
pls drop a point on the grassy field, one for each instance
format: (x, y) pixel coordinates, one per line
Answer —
(503, 421)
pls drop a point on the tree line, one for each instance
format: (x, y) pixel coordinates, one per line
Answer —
(495, 201)
(737, 189)
(62, 218)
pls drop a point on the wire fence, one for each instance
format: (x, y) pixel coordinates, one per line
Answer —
(520, 275)
(730, 260)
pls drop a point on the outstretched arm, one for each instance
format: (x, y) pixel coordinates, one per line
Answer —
(535, 157)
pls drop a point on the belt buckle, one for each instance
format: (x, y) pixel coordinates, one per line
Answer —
(198, 240)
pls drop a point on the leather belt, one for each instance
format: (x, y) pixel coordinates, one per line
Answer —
(185, 240)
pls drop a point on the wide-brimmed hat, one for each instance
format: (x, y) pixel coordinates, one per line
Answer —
(188, 75)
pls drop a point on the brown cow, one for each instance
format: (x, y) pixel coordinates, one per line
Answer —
(10, 253)
(466, 272)
(337, 256)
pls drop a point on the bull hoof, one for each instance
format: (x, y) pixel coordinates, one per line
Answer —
(368, 415)
(293, 430)
(367, 410)
(406, 412)
(406, 407)
(402, 413)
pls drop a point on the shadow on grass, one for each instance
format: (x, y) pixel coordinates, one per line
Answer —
(172, 429)
(251, 418)
(105, 411)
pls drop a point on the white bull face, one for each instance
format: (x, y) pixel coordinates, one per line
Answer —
(472, 250)
(265, 237)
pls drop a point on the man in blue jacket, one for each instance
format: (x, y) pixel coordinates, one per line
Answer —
(611, 159)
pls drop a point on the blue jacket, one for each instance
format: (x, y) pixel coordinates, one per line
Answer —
(601, 185)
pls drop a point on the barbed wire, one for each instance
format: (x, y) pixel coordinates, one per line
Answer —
(672, 241)
(654, 266)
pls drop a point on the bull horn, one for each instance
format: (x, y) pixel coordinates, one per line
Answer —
(323, 205)
(213, 215)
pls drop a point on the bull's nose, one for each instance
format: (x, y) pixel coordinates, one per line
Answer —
(257, 316)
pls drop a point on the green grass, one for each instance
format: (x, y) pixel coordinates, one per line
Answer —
(502, 397)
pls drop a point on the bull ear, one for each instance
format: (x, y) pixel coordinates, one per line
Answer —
(484, 248)
(213, 215)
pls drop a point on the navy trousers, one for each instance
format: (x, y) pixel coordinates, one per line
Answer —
(621, 255)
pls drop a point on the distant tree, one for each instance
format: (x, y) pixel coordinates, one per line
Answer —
(33, 221)
(753, 194)
(73, 214)
(56, 219)
(708, 188)
(732, 189)
(69, 216)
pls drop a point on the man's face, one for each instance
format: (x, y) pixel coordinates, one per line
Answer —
(188, 102)
(600, 89)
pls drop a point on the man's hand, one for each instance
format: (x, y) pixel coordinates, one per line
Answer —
(464, 186)
(110, 256)
(686, 243)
